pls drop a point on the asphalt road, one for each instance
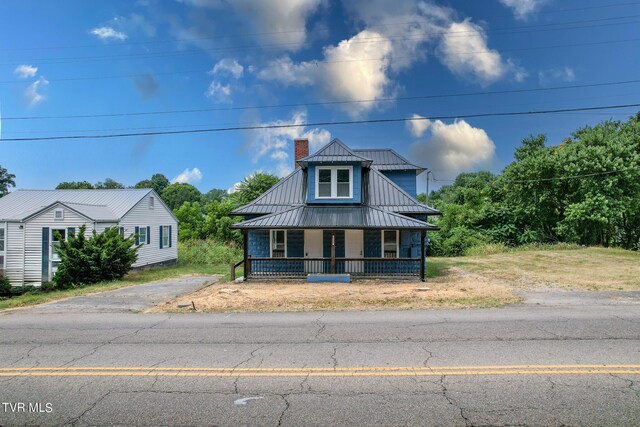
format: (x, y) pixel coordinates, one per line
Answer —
(527, 365)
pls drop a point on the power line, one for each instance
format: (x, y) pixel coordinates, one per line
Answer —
(337, 123)
(313, 104)
(364, 40)
(240, 35)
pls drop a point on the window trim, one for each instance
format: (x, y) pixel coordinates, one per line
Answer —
(397, 243)
(3, 252)
(152, 202)
(55, 214)
(140, 228)
(334, 182)
(165, 235)
(271, 241)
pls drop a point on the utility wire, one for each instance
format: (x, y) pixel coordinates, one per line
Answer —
(313, 104)
(364, 40)
(337, 123)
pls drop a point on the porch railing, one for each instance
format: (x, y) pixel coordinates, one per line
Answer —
(357, 267)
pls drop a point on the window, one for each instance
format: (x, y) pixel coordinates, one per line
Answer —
(334, 182)
(152, 202)
(121, 231)
(142, 235)
(57, 236)
(390, 244)
(278, 246)
(2, 247)
(166, 236)
(58, 214)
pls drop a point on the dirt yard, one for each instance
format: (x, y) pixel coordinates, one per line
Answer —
(479, 281)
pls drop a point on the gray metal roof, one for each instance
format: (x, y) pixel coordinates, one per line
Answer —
(334, 152)
(288, 192)
(321, 217)
(383, 193)
(386, 159)
(99, 205)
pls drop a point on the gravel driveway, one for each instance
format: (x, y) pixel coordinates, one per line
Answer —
(132, 298)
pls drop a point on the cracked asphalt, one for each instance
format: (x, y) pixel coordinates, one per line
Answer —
(307, 343)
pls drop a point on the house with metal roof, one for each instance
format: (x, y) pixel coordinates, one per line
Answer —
(33, 221)
(341, 212)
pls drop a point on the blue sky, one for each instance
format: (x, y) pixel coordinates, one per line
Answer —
(233, 58)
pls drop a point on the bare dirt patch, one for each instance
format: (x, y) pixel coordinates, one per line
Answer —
(455, 289)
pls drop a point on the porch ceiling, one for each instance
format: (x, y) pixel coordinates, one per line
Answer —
(361, 217)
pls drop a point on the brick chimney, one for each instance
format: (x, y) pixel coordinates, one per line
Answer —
(301, 149)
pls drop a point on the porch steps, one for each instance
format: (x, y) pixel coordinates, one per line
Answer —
(328, 278)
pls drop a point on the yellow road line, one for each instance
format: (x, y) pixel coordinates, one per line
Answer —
(322, 372)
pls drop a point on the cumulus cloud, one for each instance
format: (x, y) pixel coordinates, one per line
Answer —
(108, 33)
(419, 126)
(522, 9)
(188, 176)
(464, 50)
(35, 92)
(219, 92)
(228, 66)
(454, 148)
(561, 74)
(276, 143)
(25, 71)
(280, 22)
(347, 72)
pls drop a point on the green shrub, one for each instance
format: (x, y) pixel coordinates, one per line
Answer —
(103, 257)
(208, 252)
(5, 287)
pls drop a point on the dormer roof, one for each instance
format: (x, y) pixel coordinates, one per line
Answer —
(335, 152)
(387, 159)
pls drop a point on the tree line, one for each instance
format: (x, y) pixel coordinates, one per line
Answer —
(585, 190)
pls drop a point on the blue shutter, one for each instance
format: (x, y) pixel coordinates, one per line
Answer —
(45, 254)
(169, 236)
(71, 231)
(137, 235)
(148, 235)
(160, 237)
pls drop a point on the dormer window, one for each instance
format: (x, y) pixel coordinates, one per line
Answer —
(334, 182)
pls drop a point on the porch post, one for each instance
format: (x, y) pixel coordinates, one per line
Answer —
(423, 235)
(333, 251)
(247, 266)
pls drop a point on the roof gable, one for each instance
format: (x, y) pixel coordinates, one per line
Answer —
(95, 204)
(334, 152)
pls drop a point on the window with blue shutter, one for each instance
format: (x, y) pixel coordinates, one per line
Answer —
(45, 254)
(137, 232)
(148, 235)
(160, 237)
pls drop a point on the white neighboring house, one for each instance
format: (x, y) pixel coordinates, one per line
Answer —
(29, 218)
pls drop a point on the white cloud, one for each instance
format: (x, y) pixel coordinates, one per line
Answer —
(522, 9)
(465, 52)
(281, 22)
(228, 66)
(418, 127)
(347, 72)
(276, 143)
(562, 74)
(34, 92)
(454, 148)
(25, 71)
(219, 92)
(188, 176)
(106, 33)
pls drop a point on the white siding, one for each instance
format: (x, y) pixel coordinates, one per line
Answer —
(14, 245)
(33, 239)
(142, 216)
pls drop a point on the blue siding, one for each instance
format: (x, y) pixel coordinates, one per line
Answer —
(357, 185)
(404, 179)
(295, 243)
(259, 243)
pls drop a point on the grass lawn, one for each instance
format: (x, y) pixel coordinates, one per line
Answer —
(490, 280)
(133, 278)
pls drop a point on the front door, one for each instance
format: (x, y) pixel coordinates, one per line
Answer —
(57, 234)
(353, 248)
(313, 249)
